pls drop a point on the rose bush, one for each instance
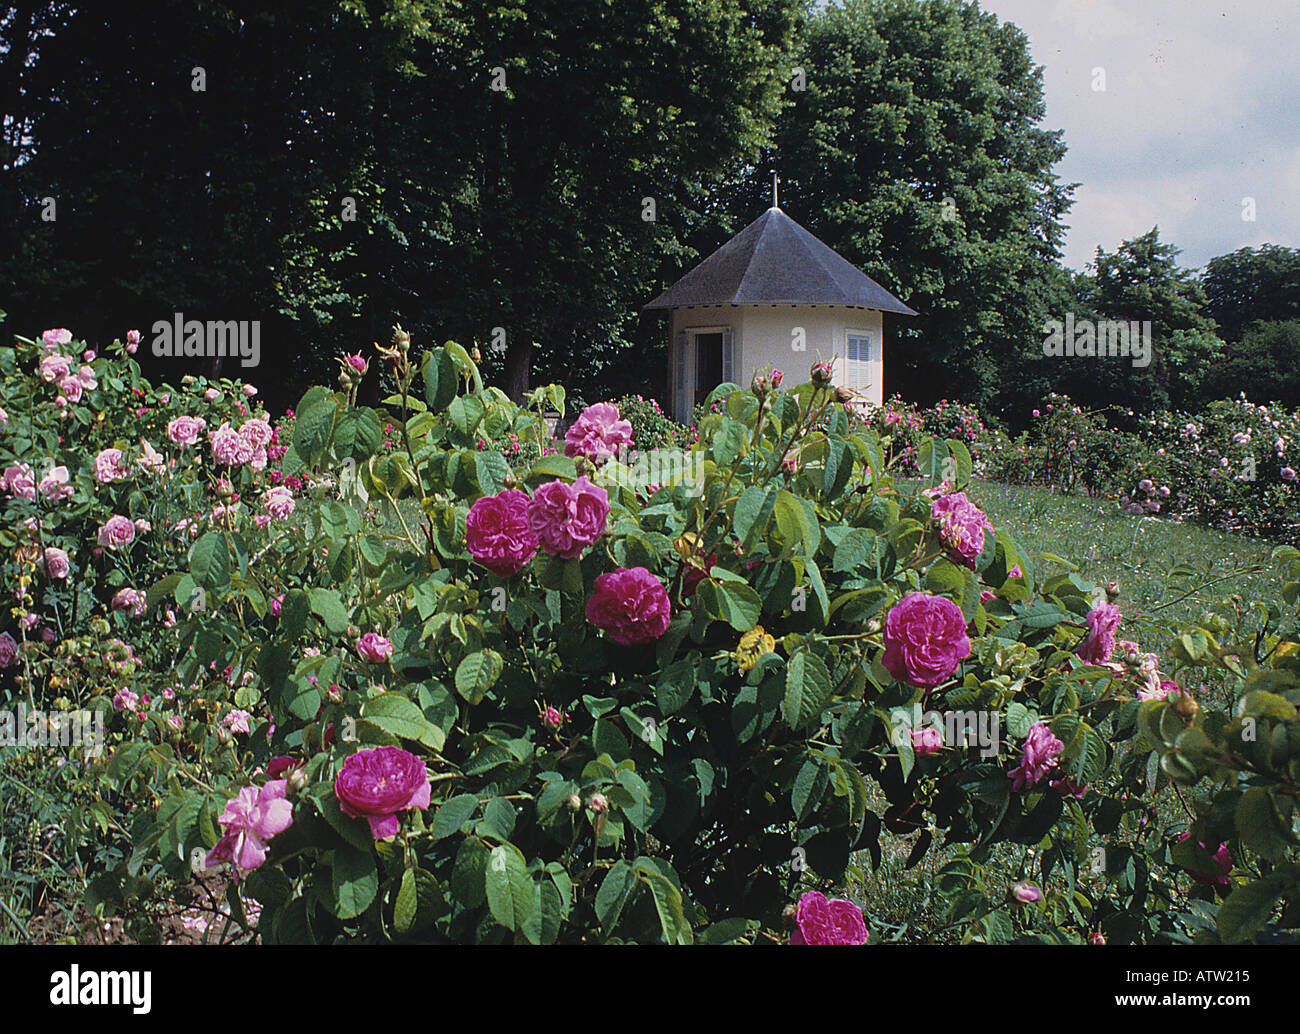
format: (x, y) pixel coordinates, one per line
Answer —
(680, 715)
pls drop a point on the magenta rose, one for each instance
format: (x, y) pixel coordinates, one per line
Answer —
(498, 532)
(375, 648)
(925, 640)
(833, 921)
(927, 741)
(631, 605)
(568, 518)
(1040, 756)
(1224, 859)
(961, 527)
(1103, 622)
(377, 783)
(598, 433)
(249, 821)
(1026, 893)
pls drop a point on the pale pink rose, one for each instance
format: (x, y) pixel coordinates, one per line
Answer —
(87, 377)
(29, 621)
(249, 390)
(212, 394)
(55, 367)
(237, 721)
(1288, 474)
(150, 460)
(279, 502)
(19, 481)
(256, 432)
(129, 599)
(4, 418)
(109, 466)
(88, 355)
(56, 562)
(185, 430)
(55, 484)
(1026, 893)
(52, 339)
(142, 527)
(598, 433)
(132, 341)
(71, 388)
(228, 447)
(117, 531)
(125, 700)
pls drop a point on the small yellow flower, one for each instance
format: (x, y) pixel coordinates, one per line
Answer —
(753, 644)
(685, 545)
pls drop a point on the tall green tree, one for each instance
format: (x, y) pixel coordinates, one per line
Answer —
(914, 149)
(1251, 285)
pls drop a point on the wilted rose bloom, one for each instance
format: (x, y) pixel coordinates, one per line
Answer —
(55, 484)
(568, 518)
(237, 721)
(185, 430)
(631, 605)
(374, 648)
(925, 640)
(125, 700)
(378, 783)
(129, 599)
(56, 562)
(279, 502)
(1067, 787)
(926, 741)
(833, 921)
(117, 531)
(8, 650)
(151, 460)
(598, 433)
(1026, 893)
(499, 534)
(250, 820)
(109, 466)
(1103, 621)
(1041, 752)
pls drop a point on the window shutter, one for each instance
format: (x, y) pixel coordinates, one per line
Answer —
(728, 341)
(680, 385)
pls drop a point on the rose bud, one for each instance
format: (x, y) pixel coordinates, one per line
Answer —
(334, 694)
(401, 338)
(843, 394)
(821, 373)
(1112, 591)
(574, 802)
(223, 736)
(296, 782)
(598, 803)
(1185, 706)
(1096, 937)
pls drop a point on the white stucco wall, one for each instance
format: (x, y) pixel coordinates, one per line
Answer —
(765, 335)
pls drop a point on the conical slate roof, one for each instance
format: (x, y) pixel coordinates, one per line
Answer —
(775, 261)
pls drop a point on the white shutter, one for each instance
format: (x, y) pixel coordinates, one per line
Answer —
(681, 381)
(728, 341)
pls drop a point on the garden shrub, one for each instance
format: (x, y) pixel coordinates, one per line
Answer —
(540, 705)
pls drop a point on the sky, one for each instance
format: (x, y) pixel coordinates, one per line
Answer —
(1200, 111)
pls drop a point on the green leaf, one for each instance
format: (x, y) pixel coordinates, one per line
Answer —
(492, 471)
(356, 881)
(615, 890)
(1260, 826)
(452, 814)
(327, 605)
(734, 602)
(1248, 907)
(440, 379)
(210, 561)
(312, 430)
(752, 514)
(477, 673)
(797, 523)
(807, 689)
(668, 903)
(856, 547)
(509, 887)
(396, 714)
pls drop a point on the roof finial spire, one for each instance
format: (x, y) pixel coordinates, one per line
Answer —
(774, 181)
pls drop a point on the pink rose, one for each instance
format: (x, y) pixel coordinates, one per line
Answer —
(125, 700)
(71, 387)
(377, 783)
(54, 367)
(925, 640)
(132, 341)
(1041, 752)
(499, 534)
(1026, 893)
(19, 481)
(833, 921)
(1224, 859)
(250, 820)
(568, 518)
(598, 433)
(56, 562)
(926, 741)
(229, 447)
(357, 363)
(151, 460)
(129, 599)
(249, 391)
(117, 531)
(961, 527)
(185, 430)
(55, 484)
(109, 466)
(631, 605)
(52, 339)
(374, 648)
(212, 394)
(1103, 621)
(279, 502)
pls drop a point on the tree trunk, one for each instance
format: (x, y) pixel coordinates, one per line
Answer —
(519, 362)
